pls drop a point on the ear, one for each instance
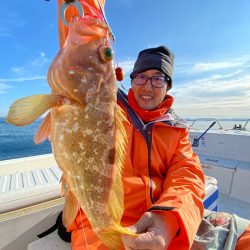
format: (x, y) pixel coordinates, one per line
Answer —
(169, 85)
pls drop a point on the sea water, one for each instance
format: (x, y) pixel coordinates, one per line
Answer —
(17, 142)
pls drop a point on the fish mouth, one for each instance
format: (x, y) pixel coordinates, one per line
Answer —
(89, 27)
(87, 20)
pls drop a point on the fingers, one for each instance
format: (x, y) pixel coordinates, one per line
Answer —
(149, 237)
(146, 241)
(143, 224)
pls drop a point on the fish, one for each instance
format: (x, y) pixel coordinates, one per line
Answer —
(84, 123)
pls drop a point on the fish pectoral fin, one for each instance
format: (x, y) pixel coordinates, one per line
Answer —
(70, 209)
(26, 110)
(43, 130)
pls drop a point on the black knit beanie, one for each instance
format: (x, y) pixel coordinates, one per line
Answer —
(159, 58)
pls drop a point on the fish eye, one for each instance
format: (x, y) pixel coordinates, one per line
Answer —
(106, 53)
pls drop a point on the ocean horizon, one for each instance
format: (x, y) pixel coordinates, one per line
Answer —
(17, 142)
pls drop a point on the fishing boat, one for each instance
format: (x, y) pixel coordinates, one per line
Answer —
(30, 197)
(225, 155)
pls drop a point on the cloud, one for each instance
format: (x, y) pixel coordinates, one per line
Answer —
(4, 87)
(152, 45)
(5, 34)
(22, 79)
(227, 76)
(127, 65)
(214, 97)
(210, 87)
(9, 21)
(11, 18)
(202, 67)
(192, 68)
(213, 89)
(40, 61)
(32, 66)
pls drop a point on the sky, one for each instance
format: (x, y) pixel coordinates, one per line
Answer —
(210, 41)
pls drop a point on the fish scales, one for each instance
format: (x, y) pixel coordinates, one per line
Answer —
(91, 147)
(90, 151)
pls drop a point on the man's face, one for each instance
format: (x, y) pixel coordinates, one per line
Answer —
(147, 96)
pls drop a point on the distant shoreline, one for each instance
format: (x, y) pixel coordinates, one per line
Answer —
(17, 142)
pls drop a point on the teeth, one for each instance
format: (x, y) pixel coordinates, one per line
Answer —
(146, 97)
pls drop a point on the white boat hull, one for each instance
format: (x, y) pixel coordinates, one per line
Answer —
(30, 190)
(20, 227)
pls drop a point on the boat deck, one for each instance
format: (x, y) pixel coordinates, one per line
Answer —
(233, 206)
(224, 155)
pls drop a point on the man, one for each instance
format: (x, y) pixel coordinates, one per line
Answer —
(170, 172)
(162, 177)
(166, 168)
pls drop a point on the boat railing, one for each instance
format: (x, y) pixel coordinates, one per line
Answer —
(245, 125)
(240, 127)
(205, 119)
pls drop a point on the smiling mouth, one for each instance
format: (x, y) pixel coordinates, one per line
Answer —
(146, 97)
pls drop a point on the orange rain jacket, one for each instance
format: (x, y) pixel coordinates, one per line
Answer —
(161, 172)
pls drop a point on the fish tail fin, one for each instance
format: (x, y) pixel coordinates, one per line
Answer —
(116, 191)
(71, 206)
(43, 130)
(112, 236)
(120, 140)
(26, 110)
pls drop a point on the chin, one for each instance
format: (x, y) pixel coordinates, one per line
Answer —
(146, 107)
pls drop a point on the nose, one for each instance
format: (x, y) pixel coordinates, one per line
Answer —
(148, 85)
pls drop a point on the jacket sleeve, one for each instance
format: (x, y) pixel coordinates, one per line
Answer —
(183, 192)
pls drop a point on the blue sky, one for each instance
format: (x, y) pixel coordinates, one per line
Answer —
(210, 40)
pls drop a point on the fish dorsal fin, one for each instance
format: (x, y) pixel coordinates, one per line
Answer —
(27, 109)
(112, 236)
(89, 7)
(43, 130)
(116, 194)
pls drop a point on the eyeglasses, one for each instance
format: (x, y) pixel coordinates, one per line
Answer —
(156, 81)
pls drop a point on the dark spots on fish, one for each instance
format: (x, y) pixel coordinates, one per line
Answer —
(111, 156)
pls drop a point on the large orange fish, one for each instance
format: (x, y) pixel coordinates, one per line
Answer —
(84, 123)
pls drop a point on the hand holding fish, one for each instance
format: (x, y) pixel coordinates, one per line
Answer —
(156, 230)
